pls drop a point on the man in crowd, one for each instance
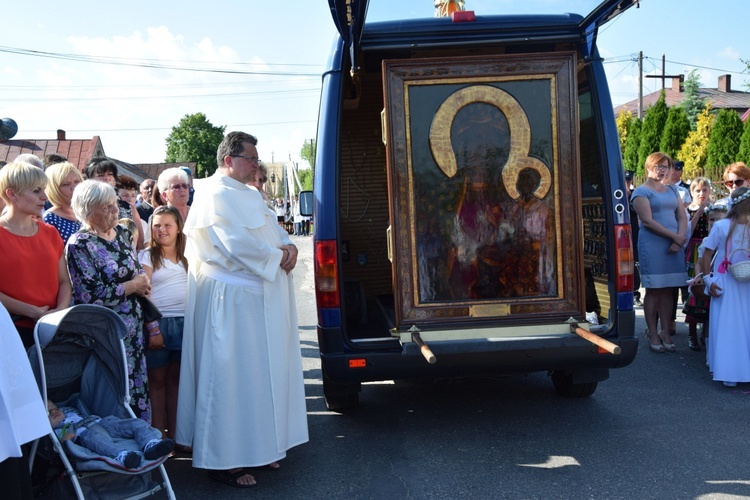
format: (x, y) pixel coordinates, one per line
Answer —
(241, 402)
(145, 207)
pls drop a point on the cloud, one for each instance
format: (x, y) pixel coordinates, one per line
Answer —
(729, 53)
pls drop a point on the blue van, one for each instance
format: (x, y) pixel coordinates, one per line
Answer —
(469, 202)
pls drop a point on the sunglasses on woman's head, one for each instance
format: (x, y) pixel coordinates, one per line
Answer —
(734, 183)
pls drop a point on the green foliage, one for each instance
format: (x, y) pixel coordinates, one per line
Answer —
(630, 155)
(308, 151)
(695, 148)
(675, 132)
(306, 179)
(724, 143)
(624, 120)
(653, 126)
(693, 104)
(195, 139)
(744, 153)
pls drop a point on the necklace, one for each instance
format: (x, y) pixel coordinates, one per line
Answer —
(21, 229)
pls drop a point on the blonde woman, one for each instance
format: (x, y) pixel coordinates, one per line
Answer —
(33, 276)
(62, 180)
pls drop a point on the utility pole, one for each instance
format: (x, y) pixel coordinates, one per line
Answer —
(640, 85)
(663, 75)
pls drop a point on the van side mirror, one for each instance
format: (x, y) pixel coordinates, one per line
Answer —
(306, 203)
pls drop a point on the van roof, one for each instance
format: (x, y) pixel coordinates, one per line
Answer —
(350, 15)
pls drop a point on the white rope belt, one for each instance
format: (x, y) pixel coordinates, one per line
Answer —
(250, 281)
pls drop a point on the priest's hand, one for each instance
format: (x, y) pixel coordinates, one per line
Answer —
(289, 257)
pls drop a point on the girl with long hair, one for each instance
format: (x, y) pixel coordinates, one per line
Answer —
(165, 264)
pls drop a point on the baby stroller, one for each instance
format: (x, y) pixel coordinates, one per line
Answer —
(79, 360)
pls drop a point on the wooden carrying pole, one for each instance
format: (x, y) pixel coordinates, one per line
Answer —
(595, 339)
(426, 352)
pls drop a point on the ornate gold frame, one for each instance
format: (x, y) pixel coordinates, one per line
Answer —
(536, 134)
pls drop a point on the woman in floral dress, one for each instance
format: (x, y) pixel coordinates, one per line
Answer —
(104, 270)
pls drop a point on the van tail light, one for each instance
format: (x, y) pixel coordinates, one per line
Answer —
(624, 259)
(326, 274)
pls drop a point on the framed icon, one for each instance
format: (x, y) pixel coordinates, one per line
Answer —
(482, 164)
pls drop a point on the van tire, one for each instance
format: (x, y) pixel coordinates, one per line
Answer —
(340, 397)
(342, 403)
(563, 382)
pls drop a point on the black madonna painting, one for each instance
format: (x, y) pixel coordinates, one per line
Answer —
(482, 169)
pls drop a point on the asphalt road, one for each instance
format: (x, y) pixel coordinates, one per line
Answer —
(660, 428)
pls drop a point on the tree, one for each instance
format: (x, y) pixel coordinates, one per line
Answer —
(653, 126)
(744, 153)
(306, 179)
(675, 132)
(630, 155)
(195, 139)
(693, 103)
(309, 148)
(724, 143)
(623, 120)
(695, 149)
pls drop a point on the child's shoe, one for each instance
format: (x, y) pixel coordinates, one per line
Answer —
(129, 459)
(157, 448)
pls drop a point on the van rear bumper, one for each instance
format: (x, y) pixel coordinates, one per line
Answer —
(391, 360)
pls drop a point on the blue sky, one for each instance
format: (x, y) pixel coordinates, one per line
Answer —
(260, 62)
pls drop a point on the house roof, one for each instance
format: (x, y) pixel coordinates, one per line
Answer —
(152, 170)
(722, 97)
(80, 151)
(77, 151)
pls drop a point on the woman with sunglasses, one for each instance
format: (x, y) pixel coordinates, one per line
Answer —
(174, 189)
(661, 237)
(735, 175)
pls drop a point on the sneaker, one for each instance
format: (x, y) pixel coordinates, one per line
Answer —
(158, 448)
(129, 459)
(730, 384)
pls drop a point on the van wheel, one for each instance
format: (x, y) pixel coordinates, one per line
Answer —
(340, 397)
(563, 382)
(342, 403)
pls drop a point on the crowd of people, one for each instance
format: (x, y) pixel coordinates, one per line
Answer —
(687, 244)
(201, 276)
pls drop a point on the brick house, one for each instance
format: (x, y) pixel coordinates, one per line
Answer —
(721, 97)
(79, 152)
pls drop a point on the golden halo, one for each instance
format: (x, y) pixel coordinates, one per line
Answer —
(520, 137)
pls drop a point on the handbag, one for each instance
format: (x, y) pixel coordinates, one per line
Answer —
(741, 270)
(150, 311)
(697, 305)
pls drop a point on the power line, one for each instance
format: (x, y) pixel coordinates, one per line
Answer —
(150, 129)
(160, 97)
(145, 63)
(633, 58)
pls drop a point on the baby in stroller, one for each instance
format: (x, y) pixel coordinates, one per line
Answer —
(98, 435)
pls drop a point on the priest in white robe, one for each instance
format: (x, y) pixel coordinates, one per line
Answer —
(241, 401)
(23, 412)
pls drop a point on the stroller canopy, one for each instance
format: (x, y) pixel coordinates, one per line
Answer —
(81, 347)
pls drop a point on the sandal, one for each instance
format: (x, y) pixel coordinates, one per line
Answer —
(667, 347)
(231, 478)
(657, 348)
